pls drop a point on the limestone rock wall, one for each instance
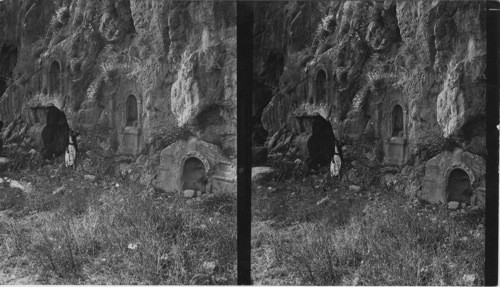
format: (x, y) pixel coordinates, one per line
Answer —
(399, 78)
(134, 76)
(427, 57)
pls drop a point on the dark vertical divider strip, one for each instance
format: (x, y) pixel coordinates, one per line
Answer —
(492, 106)
(244, 94)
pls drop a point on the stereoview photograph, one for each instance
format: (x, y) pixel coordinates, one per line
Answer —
(118, 142)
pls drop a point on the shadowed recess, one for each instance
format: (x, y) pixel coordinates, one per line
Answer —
(54, 134)
(459, 187)
(320, 144)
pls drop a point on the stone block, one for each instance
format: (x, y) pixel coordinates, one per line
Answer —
(354, 188)
(89, 177)
(189, 193)
(453, 205)
(259, 173)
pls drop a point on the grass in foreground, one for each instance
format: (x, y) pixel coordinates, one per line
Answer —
(104, 233)
(373, 237)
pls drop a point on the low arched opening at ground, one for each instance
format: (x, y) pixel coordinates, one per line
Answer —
(194, 175)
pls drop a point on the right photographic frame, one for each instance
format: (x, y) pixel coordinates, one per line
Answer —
(369, 143)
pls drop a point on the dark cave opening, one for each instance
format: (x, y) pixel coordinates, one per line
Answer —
(321, 143)
(55, 133)
(459, 186)
(193, 175)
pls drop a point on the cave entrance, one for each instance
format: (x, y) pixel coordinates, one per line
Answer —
(459, 186)
(320, 86)
(320, 145)
(54, 73)
(397, 121)
(194, 175)
(55, 133)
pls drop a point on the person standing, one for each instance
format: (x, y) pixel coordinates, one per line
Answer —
(71, 150)
(336, 162)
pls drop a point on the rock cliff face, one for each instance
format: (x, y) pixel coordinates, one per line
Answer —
(133, 77)
(404, 80)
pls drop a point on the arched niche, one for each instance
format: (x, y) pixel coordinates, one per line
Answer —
(131, 114)
(397, 121)
(54, 77)
(320, 84)
(458, 186)
(194, 175)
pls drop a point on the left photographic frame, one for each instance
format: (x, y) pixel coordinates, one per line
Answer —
(118, 147)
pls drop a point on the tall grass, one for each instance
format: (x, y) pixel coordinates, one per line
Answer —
(393, 243)
(127, 237)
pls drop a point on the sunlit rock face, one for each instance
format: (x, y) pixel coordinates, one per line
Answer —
(451, 105)
(402, 80)
(361, 59)
(135, 76)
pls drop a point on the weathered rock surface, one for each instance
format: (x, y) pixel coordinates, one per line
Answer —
(26, 187)
(367, 73)
(259, 173)
(404, 80)
(131, 76)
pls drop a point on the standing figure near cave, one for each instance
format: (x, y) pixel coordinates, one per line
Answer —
(71, 150)
(336, 162)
